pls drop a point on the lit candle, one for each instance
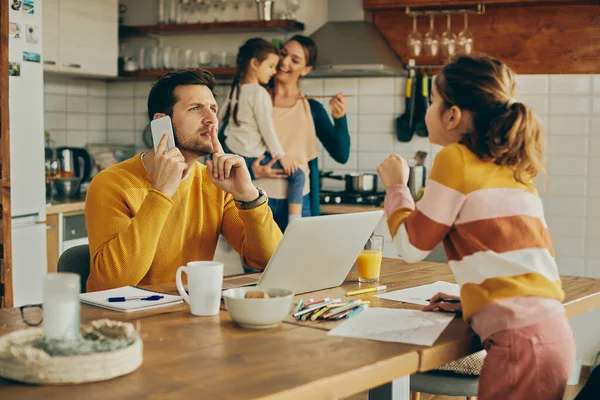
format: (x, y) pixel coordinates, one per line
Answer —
(61, 306)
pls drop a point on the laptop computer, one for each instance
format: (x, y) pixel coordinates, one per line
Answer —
(315, 253)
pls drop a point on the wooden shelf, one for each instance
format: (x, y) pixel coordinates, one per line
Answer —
(373, 5)
(280, 25)
(157, 73)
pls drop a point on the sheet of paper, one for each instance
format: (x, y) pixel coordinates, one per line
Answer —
(420, 294)
(395, 325)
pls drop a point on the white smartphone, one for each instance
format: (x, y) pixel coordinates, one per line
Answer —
(159, 127)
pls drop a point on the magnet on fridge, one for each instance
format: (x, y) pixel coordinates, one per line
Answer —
(16, 5)
(14, 30)
(31, 57)
(14, 69)
(31, 34)
(28, 7)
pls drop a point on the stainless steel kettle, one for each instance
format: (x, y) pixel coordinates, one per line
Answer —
(74, 162)
(418, 174)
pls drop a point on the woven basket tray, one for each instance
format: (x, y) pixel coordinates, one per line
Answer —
(24, 363)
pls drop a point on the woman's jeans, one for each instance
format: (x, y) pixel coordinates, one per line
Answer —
(279, 207)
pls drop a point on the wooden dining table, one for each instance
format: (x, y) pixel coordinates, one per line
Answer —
(213, 358)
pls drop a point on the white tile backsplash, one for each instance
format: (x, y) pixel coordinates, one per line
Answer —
(97, 105)
(566, 226)
(594, 166)
(538, 103)
(572, 166)
(596, 105)
(347, 86)
(352, 164)
(569, 246)
(140, 106)
(121, 106)
(532, 84)
(568, 125)
(376, 104)
(370, 161)
(121, 89)
(97, 89)
(312, 87)
(594, 188)
(595, 126)
(77, 139)
(55, 102)
(142, 89)
(567, 146)
(565, 206)
(567, 186)
(592, 268)
(118, 122)
(570, 84)
(375, 142)
(571, 266)
(78, 122)
(569, 105)
(77, 87)
(376, 123)
(596, 84)
(55, 120)
(96, 122)
(121, 137)
(76, 104)
(376, 86)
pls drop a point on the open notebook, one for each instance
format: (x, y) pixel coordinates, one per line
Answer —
(100, 299)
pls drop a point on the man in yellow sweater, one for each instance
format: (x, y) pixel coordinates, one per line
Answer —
(154, 212)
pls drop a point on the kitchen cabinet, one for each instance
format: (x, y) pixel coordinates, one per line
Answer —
(81, 37)
(395, 4)
(50, 38)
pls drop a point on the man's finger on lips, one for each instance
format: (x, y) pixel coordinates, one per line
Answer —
(217, 148)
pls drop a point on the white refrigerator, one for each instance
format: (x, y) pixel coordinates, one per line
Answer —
(26, 105)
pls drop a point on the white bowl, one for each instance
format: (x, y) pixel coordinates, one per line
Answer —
(258, 313)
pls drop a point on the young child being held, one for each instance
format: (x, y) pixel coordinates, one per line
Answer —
(481, 201)
(250, 131)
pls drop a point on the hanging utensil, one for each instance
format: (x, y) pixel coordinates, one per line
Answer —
(422, 105)
(404, 123)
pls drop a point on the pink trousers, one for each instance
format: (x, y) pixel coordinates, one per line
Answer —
(533, 362)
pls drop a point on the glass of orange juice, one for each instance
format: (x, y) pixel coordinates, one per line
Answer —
(369, 260)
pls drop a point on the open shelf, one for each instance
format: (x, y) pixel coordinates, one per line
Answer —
(279, 25)
(157, 73)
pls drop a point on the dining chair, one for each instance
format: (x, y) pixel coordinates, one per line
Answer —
(77, 260)
(443, 383)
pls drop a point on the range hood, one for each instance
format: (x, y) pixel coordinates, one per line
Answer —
(350, 46)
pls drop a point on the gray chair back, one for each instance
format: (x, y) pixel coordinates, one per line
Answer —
(76, 260)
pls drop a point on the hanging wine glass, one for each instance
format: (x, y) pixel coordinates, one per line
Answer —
(465, 38)
(432, 40)
(414, 40)
(449, 40)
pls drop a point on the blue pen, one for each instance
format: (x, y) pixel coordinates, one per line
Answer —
(122, 299)
(358, 310)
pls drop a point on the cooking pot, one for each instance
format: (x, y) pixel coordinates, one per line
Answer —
(355, 182)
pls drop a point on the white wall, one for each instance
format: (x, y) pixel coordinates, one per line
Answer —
(75, 110)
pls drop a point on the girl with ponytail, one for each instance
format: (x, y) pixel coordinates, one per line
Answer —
(250, 131)
(482, 203)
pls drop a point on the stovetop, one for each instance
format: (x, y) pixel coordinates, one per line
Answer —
(343, 197)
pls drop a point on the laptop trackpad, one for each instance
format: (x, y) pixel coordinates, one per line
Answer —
(241, 281)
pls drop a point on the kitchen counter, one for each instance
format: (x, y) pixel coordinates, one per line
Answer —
(55, 206)
(329, 209)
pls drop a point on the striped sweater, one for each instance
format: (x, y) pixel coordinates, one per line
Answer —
(492, 226)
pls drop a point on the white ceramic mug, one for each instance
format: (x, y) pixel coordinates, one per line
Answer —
(205, 282)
